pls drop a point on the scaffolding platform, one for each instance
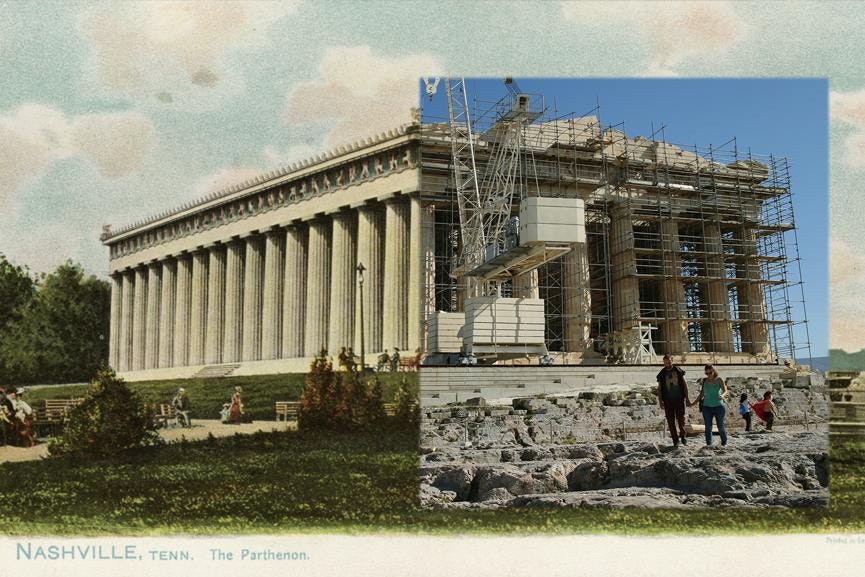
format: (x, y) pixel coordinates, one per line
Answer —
(517, 261)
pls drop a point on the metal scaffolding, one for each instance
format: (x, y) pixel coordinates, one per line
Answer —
(692, 248)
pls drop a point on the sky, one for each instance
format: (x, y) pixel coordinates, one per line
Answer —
(783, 117)
(111, 112)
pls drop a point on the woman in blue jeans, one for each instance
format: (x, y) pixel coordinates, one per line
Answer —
(714, 393)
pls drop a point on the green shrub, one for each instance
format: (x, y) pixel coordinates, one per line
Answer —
(375, 403)
(407, 405)
(313, 400)
(341, 401)
(109, 420)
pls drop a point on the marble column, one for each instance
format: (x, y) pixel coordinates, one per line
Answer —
(271, 318)
(526, 286)
(181, 310)
(233, 325)
(674, 330)
(294, 296)
(415, 275)
(317, 287)
(215, 326)
(396, 274)
(114, 328)
(252, 297)
(577, 298)
(750, 297)
(343, 279)
(151, 338)
(720, 327)
(198, 307)
(124, 345)
(168, 300)
(625, 288)
(139, 319)
(370, 252)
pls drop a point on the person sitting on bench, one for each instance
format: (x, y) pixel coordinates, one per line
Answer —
(182, 408)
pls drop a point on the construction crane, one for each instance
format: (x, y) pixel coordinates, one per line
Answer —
(493, 248)
(485, 198)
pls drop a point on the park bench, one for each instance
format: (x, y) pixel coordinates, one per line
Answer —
(163, 414)
(287, 410)
(390, 409)
(51, 413)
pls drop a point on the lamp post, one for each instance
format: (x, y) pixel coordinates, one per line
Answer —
(360, 269)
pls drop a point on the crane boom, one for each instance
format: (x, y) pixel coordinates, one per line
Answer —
(465, 173)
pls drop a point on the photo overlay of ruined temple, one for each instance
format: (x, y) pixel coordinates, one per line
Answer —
(609, 320)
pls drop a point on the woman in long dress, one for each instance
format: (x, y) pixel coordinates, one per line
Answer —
(235, 411)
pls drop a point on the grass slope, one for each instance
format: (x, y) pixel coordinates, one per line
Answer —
(208, 395)
(332, 482)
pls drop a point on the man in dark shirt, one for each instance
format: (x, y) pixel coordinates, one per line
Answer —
(672, 395)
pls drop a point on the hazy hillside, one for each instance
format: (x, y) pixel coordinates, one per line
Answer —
(817, 363)
(841, 360)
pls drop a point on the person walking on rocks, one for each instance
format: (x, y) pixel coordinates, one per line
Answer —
(713, 394)
(745, 411)
(672, 395)
(766, 409)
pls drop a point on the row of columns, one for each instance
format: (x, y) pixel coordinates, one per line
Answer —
(718, 326)
(285, 293)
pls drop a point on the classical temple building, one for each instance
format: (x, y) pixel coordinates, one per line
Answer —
(684, 251)
(262, 276)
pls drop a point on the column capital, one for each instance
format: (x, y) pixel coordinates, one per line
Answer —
(342, 213)
(275, 230)
(392, 198)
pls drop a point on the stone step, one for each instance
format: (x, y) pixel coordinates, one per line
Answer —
(215, 371)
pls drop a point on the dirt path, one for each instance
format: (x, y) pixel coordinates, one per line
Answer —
(200, 429)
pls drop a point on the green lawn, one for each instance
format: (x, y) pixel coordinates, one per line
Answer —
(208, 395)
(339, 482)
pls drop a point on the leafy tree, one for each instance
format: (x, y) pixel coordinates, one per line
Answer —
(62, 336)
(16, 292)
(110, 419)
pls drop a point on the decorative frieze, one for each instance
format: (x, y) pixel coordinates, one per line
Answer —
(355, 171)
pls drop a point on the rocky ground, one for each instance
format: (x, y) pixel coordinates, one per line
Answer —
(755, 470)
(612, 451)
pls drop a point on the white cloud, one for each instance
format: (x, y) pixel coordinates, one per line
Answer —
(176, 51)
(845, 263)
(359, 92)
(849, 108)
(116, 143)
(674, 32)
(277, 158)
(34, 136)
(846, 306)
(854, 150)
(223, 178)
